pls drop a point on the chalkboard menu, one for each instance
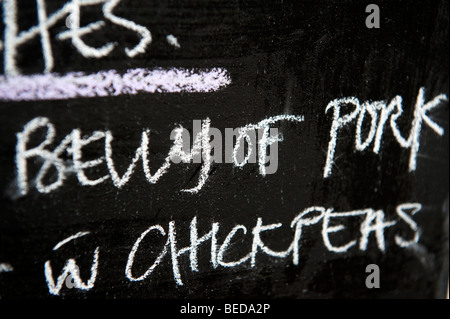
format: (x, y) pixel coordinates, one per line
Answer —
(224, 149)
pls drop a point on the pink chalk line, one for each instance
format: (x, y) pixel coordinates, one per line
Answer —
(110, 83)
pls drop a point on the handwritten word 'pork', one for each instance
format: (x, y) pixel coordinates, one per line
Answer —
(380, 112)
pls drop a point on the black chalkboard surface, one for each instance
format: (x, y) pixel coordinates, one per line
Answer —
(224, 149)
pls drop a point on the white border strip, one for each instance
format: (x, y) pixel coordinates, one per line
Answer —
(110, 83)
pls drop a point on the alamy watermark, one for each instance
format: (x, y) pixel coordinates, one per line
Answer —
(373, 280)
(373, 19)
(254, 144)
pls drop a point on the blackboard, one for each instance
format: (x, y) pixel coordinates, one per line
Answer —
(346, 177)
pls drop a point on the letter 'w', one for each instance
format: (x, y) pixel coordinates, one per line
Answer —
(70, 268)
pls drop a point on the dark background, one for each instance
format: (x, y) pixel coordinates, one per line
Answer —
(284, 57)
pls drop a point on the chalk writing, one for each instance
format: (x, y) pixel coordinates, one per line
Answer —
(110, 83)
(6, 267)
(372, 221)
(70, 269)
(73, 144)
(71, 11)
(377, 127)
(172, 40)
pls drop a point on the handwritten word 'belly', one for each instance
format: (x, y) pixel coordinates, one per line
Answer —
(73, 144)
